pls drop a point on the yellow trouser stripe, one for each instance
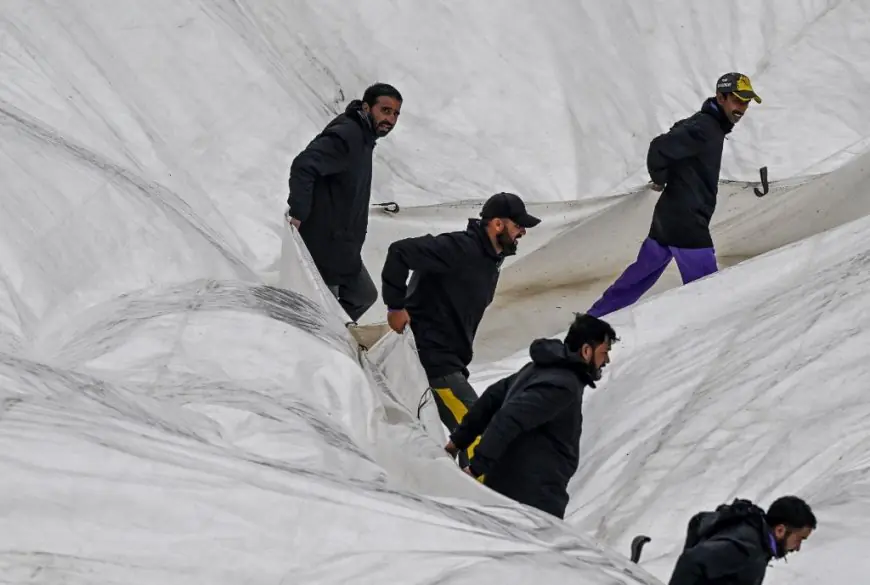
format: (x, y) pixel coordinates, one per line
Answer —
(458, 410)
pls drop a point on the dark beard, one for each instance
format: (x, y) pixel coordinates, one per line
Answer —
(780, 549)
(381, 131)
(508, 246)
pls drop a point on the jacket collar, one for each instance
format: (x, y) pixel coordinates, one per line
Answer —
(712, 108)
(354, 112)
(475, 227)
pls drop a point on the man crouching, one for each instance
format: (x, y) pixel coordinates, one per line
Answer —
(533, 418)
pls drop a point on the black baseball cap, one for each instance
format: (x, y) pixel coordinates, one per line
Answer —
(509, 206)
(739, 85)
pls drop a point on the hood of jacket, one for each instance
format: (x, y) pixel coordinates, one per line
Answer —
(552, 353)
(741, 521)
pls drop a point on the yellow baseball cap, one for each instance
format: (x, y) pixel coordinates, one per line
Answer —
(739, 85)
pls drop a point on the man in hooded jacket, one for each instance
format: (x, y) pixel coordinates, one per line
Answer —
(684, 164)
(734, 544)
(330, 193)
(531, 421)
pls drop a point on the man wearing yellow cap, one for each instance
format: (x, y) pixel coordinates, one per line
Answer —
(684, 165)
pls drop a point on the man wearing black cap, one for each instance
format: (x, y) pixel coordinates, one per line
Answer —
(684, 164)
(454, 281)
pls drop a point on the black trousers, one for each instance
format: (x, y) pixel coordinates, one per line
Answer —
(355, 294)
(454, 397)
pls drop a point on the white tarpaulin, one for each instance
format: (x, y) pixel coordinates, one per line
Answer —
(181, 402)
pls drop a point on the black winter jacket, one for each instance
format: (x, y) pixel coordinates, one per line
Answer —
(531, 423)
(454, 281)
(686, 160)
(731, 546)
(330, 192)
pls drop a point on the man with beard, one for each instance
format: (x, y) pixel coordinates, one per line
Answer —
(454, 281)
(531, 421)
(684, 164)
(330, 193)
(735, 543)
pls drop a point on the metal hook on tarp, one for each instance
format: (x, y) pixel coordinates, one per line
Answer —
(388, 207)
(637, 546)
(765, 187)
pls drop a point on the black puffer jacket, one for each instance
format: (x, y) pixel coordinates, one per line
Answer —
(330, 193)
(686, 160)
(454, 281)
(531, 423)
(731, 546)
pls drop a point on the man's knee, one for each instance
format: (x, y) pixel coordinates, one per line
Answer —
(368, 293)
(455, 395)
(464, 392)
(363, 292)
(358, 295)
(362, 300)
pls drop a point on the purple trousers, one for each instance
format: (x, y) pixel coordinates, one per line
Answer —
(651, 261)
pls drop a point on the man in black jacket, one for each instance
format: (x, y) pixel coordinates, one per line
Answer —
(734, 544)
(330, 193)
(454, 281)
(531, 420)
(684, 164)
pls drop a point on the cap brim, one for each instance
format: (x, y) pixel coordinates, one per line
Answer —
(745, 96)
(527, 221)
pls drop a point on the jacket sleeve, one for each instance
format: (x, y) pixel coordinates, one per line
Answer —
(526, 410)
(682, 141)
(427, 253)
(328, 154)
(481, 412)
(708, 562)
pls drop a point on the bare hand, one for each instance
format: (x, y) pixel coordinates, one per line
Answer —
(451, 449)
(656, 187)
(295, 222)
(468, 471)
(397, 320)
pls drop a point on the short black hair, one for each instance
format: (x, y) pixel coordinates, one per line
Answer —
(792, 512)
(588, 329)
(373, 92)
